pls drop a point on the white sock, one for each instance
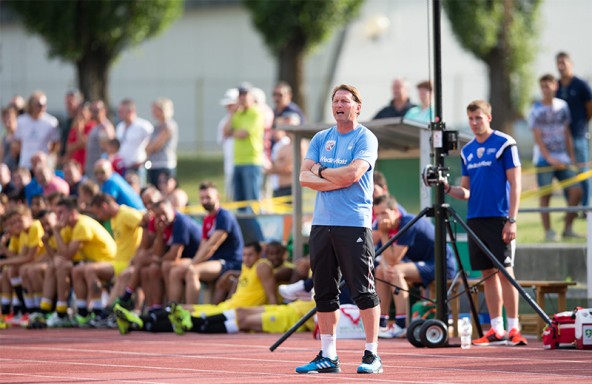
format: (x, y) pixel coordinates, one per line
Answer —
(81, 303)
(497, 323)
(231, 326)
(513, 323)
(372, 347)
(329, 346)
(230, 314)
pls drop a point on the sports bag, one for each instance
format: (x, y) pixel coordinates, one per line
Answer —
(561, 333)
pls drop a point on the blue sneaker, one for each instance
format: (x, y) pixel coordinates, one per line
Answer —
(320, 364)
(370, 363)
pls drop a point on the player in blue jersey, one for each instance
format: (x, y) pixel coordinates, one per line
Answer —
(491, 181)
(339, 165)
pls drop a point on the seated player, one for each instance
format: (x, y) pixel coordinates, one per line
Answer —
(256, 286)
(408, 260)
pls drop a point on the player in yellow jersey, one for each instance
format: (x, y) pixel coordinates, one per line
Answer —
(24, 250)
(93, 242)
(124, 224)
(256, 286)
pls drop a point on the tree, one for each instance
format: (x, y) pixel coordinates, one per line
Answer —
(502, 34)
(292, 28)
(92, 34)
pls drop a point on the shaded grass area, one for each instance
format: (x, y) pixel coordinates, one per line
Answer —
(193, 169)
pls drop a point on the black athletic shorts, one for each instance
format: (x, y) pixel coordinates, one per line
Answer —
(489, 231)
(338, 250)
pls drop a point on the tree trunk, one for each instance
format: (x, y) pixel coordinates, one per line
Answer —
(500, 86)
(291, 70)
(93, 76)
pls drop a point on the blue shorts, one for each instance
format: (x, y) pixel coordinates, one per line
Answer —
(546, 178)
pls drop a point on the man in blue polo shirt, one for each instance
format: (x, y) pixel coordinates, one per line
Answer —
(113, 184)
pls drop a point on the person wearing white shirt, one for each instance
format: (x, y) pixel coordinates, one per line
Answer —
(36, 130)
(133, 133)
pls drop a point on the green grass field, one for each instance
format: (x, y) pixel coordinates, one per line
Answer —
(193, 169)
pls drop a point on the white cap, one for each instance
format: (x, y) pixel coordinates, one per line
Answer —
(230, 97)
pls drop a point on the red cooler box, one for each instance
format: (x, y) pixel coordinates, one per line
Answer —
(583, 328)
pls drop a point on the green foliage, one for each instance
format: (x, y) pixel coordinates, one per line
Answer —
(72, 28)
(482, 26)
(307, 22)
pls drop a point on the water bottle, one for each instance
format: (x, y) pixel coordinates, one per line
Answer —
(466, 331)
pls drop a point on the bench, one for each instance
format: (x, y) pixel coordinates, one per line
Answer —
(541, 288)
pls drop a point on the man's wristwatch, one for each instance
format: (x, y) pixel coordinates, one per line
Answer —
(511, 220)
(321, 169)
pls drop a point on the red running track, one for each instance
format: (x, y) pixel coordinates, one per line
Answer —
(91, 356)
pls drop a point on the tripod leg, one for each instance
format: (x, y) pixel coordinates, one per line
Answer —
(463, 276)
(502, 269)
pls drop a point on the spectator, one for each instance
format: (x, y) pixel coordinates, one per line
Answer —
(220, 249)
(21, 178)
(8, 151)
(87, 189)
(133, 179)
(247, 127)
(6, 185)
(78, 135)
(72, 101)
(229, 101)
(99, 135)
(554, 153)
(36, 131)
(286, 111)
(169, 187)
(113, 184)
(133, 133)
(280, 168)
(261, 101)
(162, 147)
(409, 260)
(73, 175)
(112, 154)
(282, 163)
(422, 112)
(400, 103)
(18, 102)
(50, 183)
(578, 95)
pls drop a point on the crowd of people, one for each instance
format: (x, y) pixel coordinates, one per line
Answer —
(92, 210)
(93, 233)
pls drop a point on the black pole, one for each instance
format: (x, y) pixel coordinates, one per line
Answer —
(437, 127)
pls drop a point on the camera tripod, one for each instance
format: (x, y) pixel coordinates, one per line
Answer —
(433, 333)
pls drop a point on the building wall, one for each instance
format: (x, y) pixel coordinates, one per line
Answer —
(211, 49)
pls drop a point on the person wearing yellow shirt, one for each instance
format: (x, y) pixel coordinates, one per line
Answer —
(124, 224)
(43, 271)
(23, 248)
(256, 286)
(94, 243)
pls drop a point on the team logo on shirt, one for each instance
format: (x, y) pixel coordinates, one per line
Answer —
(329, 145)
(480, 152)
